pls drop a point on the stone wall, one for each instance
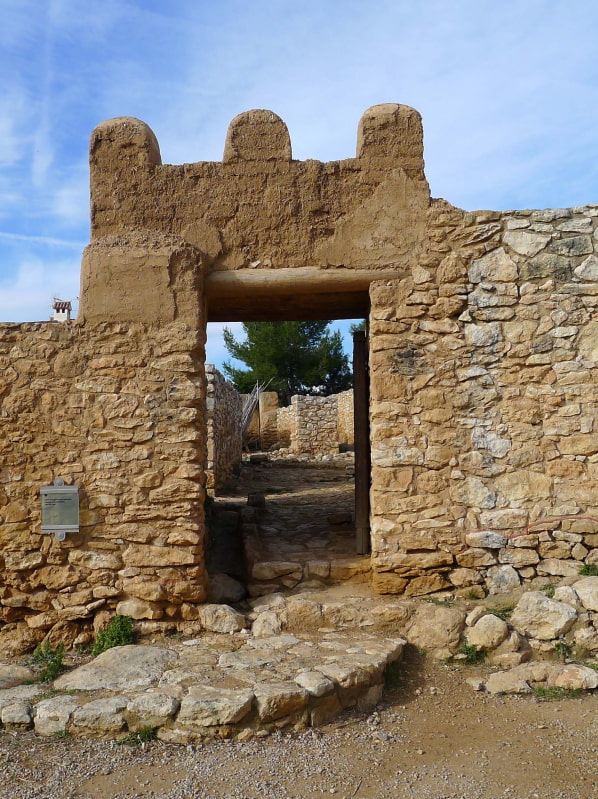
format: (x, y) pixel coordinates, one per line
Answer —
(484, 365)
(306, 425)
(314, 430)
(118, 411)
(259, 212)
(345, 424)
(223, 422)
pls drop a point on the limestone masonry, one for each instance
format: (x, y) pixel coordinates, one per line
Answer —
(483, 353)
(223, 407)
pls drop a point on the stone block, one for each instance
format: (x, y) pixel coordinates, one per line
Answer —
(464, 577)
(435, 628)
(148, 555)
(18, 715)
(221, 619)
(53, 715)
(486, 539)
(538, 616)
(502, 579)
(388, 583)
(587, 591)
(518, 556)
(475, 558)
(207, 706)
(100, 718)
(426, 584)
(139, 609)
(487, 633)
(276, 700)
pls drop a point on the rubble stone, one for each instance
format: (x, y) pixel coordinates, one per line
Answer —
(540, 617)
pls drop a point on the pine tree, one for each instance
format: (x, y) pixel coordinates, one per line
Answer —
(298, 357)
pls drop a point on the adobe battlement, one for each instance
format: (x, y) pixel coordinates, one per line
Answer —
(324, 227)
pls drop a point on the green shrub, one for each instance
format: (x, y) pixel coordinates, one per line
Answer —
(444, 603)
(119, 632)
(563, 649)
(589, 570)
(472, 654)
(49, 660)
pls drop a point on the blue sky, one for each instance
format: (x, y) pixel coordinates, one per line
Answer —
(508, 93)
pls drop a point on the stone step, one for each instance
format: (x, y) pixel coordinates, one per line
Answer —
(269, 576)
(214, 686)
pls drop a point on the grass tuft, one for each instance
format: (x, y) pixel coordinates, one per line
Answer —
(552, 694)
(444, 603)
(142, 736)
(589, 570)
(563, 649)
(503, 612)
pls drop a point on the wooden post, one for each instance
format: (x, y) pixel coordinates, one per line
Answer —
(362, 443)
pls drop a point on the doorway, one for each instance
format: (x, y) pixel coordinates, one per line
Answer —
(302, 523)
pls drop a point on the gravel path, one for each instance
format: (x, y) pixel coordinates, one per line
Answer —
(433, 738)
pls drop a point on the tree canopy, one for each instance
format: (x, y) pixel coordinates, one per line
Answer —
(298, 358)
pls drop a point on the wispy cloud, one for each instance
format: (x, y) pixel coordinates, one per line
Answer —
(68, 199)
(46, 240)
(13, 118)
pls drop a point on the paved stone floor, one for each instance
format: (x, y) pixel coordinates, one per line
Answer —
(306, 530)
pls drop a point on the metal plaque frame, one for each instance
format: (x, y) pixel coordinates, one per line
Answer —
(60, 509)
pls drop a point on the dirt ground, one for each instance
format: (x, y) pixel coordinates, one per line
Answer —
(433, 737)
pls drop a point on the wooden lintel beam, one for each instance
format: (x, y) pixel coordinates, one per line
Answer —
(288, 281)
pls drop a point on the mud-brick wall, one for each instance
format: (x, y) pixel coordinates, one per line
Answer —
(285, 422)
(268, 410)
(314, 430)
(345, 425)
(223, 417)
(484, 374)
(117, 410)
(262, 429)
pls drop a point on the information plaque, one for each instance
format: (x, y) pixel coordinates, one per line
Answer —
(60, 509)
